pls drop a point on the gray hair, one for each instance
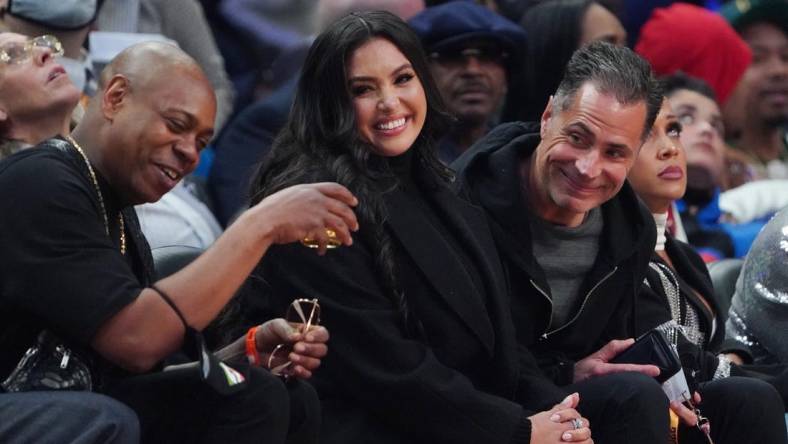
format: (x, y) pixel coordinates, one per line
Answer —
(613, 70)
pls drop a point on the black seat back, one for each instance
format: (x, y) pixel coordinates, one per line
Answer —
(167, 260)
(724, 274)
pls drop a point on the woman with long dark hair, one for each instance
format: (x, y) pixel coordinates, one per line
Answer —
(423, 346)
(556, 28)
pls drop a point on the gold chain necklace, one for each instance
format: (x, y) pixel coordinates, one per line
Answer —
(101, 197)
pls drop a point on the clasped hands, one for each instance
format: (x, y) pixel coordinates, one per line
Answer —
(562, 423)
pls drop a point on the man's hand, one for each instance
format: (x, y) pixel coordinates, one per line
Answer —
(306, 349)
(598, 364)
(556, 425)
(306, 211)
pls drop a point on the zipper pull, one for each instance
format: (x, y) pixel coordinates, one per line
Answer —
(28, 354)
(66, 355)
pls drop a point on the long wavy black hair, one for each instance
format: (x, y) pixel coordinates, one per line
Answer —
(554, 31)
(320, 140)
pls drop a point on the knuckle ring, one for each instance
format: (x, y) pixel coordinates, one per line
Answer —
(577, 423)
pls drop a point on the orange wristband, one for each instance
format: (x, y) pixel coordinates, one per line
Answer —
(251, 347)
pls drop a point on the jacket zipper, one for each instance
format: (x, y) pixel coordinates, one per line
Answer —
(547, 332)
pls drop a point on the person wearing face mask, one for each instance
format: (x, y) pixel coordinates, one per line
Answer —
(67, 20)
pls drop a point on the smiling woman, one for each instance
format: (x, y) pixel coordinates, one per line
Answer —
(423, 346)
(36, 97)
(388, 98)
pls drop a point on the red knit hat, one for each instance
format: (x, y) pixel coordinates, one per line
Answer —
(688, 38)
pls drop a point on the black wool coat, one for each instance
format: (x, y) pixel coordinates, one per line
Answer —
(463, 379)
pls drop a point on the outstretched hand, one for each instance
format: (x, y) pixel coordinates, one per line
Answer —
(558, 424)
(306, 349)
(598, 363)
(307, 211)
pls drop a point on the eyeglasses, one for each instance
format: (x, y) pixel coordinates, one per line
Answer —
(14, 53)
(302, 314)
(458, 56)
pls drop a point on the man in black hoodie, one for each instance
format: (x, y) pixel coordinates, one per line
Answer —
(573, 237)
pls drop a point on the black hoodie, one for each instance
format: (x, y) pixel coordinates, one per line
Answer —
(487, 175)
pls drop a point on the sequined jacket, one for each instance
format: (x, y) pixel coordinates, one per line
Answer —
(759, 309)
(704, 324)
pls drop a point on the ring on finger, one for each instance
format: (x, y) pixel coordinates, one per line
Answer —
(332, 241)
(577, 423)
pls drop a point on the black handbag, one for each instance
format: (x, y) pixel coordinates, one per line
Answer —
(49, 365)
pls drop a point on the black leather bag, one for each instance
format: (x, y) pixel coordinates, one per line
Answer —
(652, 348)
(49, 365)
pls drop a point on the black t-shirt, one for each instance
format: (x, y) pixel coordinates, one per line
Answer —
(59, 270)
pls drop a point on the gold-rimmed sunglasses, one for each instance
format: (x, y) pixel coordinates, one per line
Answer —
(14, 53)
(302, 314)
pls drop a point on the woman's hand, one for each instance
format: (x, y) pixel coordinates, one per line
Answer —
(305, 349)
(687, 416)
(557, 425)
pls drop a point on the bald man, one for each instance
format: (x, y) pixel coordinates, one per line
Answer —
(75, 263)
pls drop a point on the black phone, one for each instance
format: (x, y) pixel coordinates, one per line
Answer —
(652, 348)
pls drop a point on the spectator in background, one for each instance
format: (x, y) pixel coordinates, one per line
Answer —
(36, 95)
(182, 21)
(696, 41)
(556, 28)
(706, 227)
(248, 139)
(757, 117)
(68, 21)
(700, 43)
(473, 52)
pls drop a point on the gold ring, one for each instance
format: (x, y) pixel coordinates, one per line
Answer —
(333, 242)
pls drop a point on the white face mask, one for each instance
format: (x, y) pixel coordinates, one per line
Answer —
(60, 14)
